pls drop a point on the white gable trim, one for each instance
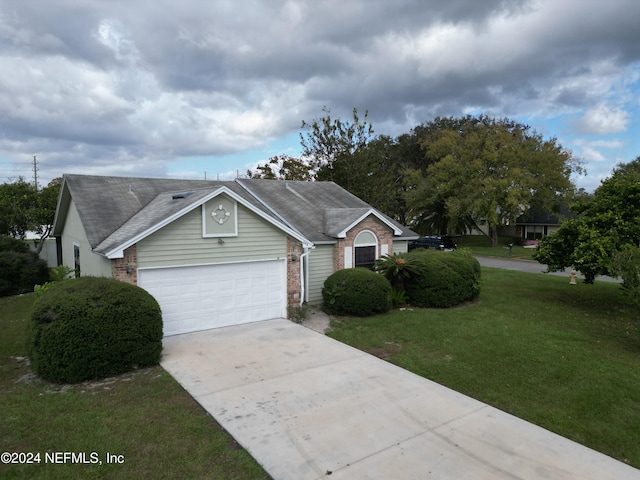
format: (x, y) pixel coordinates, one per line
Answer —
(118, 252)
(396, 230)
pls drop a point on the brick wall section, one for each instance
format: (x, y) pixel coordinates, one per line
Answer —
(381, 231)
(119, 266)
(294, 283)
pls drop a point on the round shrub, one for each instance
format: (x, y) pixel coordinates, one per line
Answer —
(89, 328)
(356, 291)
(20, 267)
(444, 279)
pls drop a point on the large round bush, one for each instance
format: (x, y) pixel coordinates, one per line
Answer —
(20, 267)
(356, 291)
(443, 280)
(90, 328)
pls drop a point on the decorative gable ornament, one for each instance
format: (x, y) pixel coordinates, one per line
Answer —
(220, 215)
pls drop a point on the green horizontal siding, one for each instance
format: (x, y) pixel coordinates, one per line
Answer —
(181, 242)
(320, 267)
(73, 233)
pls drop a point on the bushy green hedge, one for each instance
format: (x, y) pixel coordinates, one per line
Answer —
(444, 279)
(20, 267)
(91, 328)
(356, 291)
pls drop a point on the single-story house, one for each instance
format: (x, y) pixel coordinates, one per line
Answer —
(218, 253)
(536, 223)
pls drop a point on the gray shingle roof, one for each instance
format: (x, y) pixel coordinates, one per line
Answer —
(319, 210)
(115, 210)
(337, 219)
(106, 203)
(162, 207)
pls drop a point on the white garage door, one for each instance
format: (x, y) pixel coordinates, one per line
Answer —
(211, 296)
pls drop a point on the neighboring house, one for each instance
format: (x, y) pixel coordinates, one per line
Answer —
(218, 253)
(48, 252)
(535, 224)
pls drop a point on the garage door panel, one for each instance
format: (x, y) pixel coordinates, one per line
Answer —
(203, 297)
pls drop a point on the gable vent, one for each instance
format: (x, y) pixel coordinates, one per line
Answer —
(177, 196)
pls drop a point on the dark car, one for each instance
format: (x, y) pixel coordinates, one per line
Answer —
(443, 242)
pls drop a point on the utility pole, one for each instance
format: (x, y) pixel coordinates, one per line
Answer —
(35, 172)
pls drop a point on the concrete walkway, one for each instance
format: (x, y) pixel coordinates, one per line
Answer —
(306, 406)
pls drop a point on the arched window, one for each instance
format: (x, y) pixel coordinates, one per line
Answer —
(366, 248)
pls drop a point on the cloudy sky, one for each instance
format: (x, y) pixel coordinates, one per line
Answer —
(168, 88)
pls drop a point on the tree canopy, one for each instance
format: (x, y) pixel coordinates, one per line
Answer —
(482, 170)
(606, 224)
(449, 175)
(331, 143)
(284, 167)
(23, 209)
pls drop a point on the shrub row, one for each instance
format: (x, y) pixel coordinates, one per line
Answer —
(424, 278)
(356, 291)
(20, 267)
(90, 328)
(444, 279)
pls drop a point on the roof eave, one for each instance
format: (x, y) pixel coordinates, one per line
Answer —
(61, 213)
(118, 251)
(371, 211)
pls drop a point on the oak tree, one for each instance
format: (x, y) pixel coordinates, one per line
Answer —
(603, 233)
(483, 170)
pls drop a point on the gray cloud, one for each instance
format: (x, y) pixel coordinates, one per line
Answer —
(143, 83)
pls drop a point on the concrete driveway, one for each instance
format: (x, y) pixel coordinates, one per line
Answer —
(306, 406)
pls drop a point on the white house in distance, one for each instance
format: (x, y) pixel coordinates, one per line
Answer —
(219, 253)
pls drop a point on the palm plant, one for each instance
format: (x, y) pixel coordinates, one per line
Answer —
(397, 268)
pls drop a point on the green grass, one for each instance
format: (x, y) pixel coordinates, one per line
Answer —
(481, 245)
(566, 357)
(145, 416)
(517, 253)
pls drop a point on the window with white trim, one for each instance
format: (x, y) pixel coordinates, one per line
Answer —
(366, 249)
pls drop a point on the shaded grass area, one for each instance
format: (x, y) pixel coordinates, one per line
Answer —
(481, 245)
(144, 416)
(566, 357)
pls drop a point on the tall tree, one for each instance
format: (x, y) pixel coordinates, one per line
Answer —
(606, 223)
(24, 209)
(375, 173)
(18, 202)
(328, 140)
(486, 170)
(284, 167)
(45, 210)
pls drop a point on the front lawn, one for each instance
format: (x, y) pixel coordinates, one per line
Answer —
(144, 419)
(481, 245)
(502, 251)
(566, 357)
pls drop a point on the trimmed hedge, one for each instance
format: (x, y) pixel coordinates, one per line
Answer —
(20, 267)
(356, 291)
(444, 279)
(90, 328)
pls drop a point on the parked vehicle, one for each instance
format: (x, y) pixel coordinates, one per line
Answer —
(443, 242)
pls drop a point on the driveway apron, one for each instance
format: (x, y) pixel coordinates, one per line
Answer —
(306, 406)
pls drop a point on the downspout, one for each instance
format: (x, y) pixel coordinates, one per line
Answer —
(304, 274)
